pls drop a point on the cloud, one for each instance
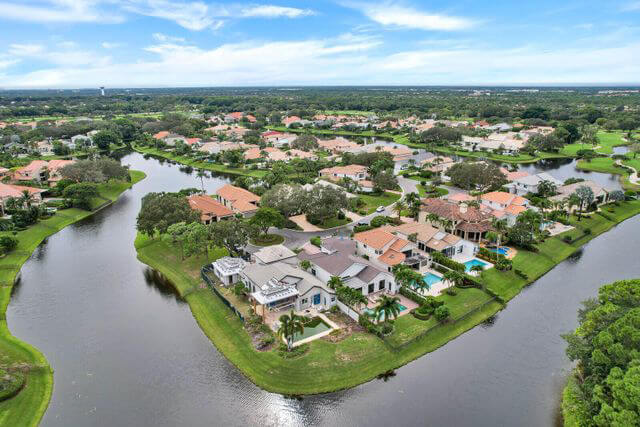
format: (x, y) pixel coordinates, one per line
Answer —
(67, 54)
(392, 15)
(194, 16)
(631, 6)
(58, 11)
(270, 11)
(111, 45)
(164, 38)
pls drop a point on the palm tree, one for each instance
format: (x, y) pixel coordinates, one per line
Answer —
(572, 201)
(202, 174)
(500, 227)
(335, 282)
(421, 285)
(388, 307)
(305, 264)
(26, 198)
(289, 325)
(399, 207)
(434, 220)
(413, 201)
(453, 277)
(478, 268)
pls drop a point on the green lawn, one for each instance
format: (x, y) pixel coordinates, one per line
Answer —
(607, 165)
(373, 201)
(333, 222)
(400, 139)
(325, 367)
(606, 141)
(520, 158)
(27, 408)
(439, 192)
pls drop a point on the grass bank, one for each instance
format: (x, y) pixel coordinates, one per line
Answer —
(608, 165)
(28, 407)
(606, 142)
(360, 357)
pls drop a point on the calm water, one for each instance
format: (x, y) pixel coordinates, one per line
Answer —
(127, 352)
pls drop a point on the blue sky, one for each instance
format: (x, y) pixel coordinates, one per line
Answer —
(161, 43)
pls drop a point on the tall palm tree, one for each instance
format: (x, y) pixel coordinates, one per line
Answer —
(453, 277)
(26, 198)
(388, 307)
(202, 174)
(434, 220)
(289, 325)
(399, 207)
(335, 282)
(500, 227)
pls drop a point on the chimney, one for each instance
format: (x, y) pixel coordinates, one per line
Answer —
(463, 208)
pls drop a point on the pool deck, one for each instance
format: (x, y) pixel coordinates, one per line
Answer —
(315, 313)
(403, 300)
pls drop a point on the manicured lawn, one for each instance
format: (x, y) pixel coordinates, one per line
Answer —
(520, 158)
(325, 367)
(333, 222)
(607, 165)
(422, 192)
(400, 139)
(267, 240)
(27, 408)
(373, 201)
(606, 142)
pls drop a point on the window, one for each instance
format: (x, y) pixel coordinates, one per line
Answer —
(381, 285)
(371, 288)
(333, 299)
(305, 300)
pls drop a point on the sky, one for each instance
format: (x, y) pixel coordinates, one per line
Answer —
(186, 43)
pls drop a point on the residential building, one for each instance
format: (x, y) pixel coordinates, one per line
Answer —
(383, 248)
(354, 172)
(505, 206)
(601, 194)
(529, 184)
(272, 254)
(54, 167)
(288, 121)
(461, 219)
(8, 191)
(338, 145)
(238, 199)
(431, 239)
(210, 210)
(233, 117)
(228, 269)
(36, 171)
(336, 257)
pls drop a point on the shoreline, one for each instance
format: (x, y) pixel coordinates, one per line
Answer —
(28, 407)
(362, 356)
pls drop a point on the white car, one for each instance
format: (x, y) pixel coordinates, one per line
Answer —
(380, 209)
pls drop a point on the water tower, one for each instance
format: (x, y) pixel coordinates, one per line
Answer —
(102, 90)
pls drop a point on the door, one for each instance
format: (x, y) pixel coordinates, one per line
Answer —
(371, 288)
(316, 299)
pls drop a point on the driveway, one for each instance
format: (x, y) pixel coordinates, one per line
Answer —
(302, 222)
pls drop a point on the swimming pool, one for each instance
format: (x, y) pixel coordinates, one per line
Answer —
(372, 312)
(431, 279)
(501, 250)
(475, 261)
(314, 327)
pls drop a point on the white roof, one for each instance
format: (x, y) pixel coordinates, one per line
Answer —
(273, 253)
(229, 265)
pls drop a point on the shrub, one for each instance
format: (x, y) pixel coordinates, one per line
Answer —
(521, 274)
(421, 315)
(566, 239)
(452, 291)
(361, 228)
(316, 241)
(448, 262)
(7, 244)
(442, 313)
(379, 221)
(408, 293)
(295, 351)
(371, 327)
(587, 231)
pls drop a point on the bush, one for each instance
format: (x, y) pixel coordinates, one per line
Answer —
(587, 231)
(7, 244)
(371, 327)
(521, 274)
(408, 293)
(316, 241)
(361, 228)
(421, 315)
(566, 239)
(379, 221)
(452, 291)
(442, 259)
(442, 313)
(295, 351)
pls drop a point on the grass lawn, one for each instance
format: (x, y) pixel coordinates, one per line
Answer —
(400, 139)
(373, 201)
(607, 165)
(27, 408)
(520, 158)
(267, 240)
(606, 141)
(422, 192)
(325, 367)
(333, 222)
(554, 250)
(214, 167)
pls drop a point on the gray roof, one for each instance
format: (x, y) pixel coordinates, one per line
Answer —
(261, 274)
(537, 179)
(273, 253)
(567, 190)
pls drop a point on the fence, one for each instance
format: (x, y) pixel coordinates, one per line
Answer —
(204, 272)
(348, 310)
(439, 325)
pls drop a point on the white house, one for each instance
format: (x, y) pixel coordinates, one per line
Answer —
(529, 184)
(383, 248)
(228, 269)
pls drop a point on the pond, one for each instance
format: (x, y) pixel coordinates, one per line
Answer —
(127, 351)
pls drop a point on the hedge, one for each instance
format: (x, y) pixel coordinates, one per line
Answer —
(442, 259)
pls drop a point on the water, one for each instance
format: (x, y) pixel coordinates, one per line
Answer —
(470, 264)
(316, 326)
(431, 279)
(501, 250)
(563, 169)
(127, 351)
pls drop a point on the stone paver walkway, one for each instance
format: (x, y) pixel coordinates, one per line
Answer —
(302, 222)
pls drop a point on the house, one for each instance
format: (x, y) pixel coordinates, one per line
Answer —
(233, 117)
(173, 138)
(280, 139)
(463, 220)
(430, 239)
(228, 269)
(336, 257)
(460, 198)
(82, 140)
(512, 176)
(281, 286)
(36, 171)
(271, 254)
(210, 209)
(288, 121)
(161, 135)
(601, 194)
(529, 184)
(383, 247)
(238, 199)
(4, 172)
(45, 147)
(54, 167)
(505, 205)
(8, 191)
(354, 172)
(338, 145)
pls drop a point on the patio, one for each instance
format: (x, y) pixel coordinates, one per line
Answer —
(373, 302)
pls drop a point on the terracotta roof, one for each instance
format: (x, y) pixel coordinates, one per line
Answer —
(56, 164)
(346, 170)
(399, 244)
(376, 238)
(8, 190)
(161, 135)
(460, 197)
(504, 198)
(241, 199)
(453, 211)
(31, 168)
(515, 209)
(392, 257)
(208, 206)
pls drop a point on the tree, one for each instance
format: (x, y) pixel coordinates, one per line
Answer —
(617, 196)
(264, 218)
(524, 231)
(239, 289)
(176, 235)
(305, 142)
(384, 180)
(202, 174)
(605, 349)
(399, 207)
(26, 198)
(406, 276)
(289, 325)
(289, 199)
(414, 203)
(586, 196)
(160, 210)
(325, 202)
(81, 194)
(305, 264)
(440, 135)
(105, 138)
(635, 149)
(196, 239)
(453, 277)
(441, 313)
(547, 189)
(388, 308)
(232, 235)
(335, 282)
(500, 228)
(476, 176)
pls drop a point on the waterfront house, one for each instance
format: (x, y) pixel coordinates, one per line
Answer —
(463, 220)
(383, 248)
(210, 210)
(430, 239)
(36, 171)
(8, 191)
(601, 194)
(272, 254)
(238, 199)
(529, 184)
(227, 269)
(505, 206)
(338, 145)
(354, 172)
(54, 167)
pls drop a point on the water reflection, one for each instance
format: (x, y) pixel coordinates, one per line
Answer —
(160, 283)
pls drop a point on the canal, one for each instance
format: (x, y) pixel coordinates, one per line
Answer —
(127, 351)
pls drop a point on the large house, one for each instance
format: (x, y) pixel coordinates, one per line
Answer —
(210, 210)
(41, 171)
(461, 219)
(383, 248)
(238, 199)
(601, 194)
(338, 145)
(228, 269)
(504, 205)
(335, 257)
(431, 239)
(8, 191)
(529, 184)
(354, 172)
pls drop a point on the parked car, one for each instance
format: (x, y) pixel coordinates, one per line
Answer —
(380, 209)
